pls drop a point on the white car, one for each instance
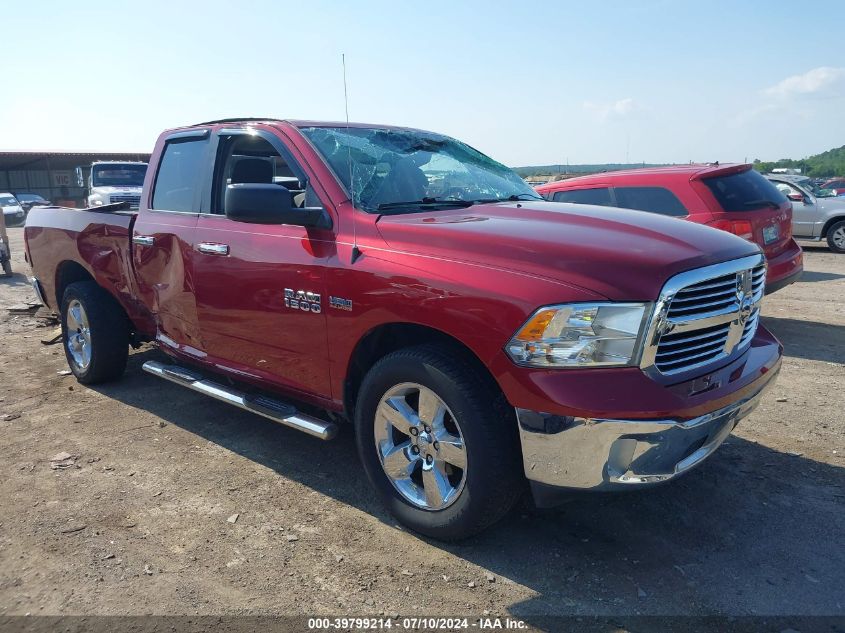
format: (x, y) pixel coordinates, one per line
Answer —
(13, 212)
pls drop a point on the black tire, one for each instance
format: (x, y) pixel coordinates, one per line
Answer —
(493, 476)
(831, 233)
(7, 267)
(109, 333)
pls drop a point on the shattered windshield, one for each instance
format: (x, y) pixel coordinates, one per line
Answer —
(403, 170)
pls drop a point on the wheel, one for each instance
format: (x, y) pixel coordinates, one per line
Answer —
(438, 442)
(836, 237)
(95, 333)
(7, 267)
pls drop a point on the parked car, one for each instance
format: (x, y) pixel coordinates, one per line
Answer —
(734, 198)
(29, 200)
(813, 218)
(810, 184)
(112, 182)
(836, 184)
(475, 335)
(13, 212)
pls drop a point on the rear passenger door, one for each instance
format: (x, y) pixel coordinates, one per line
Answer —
(652, 199)
(163, 236)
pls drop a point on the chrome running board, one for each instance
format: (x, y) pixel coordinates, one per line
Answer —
(262, 405)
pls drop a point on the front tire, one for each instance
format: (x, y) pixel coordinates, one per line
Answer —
(438, 442)
(95, 333)
(836, 237)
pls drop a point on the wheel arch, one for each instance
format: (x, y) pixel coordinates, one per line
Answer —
(68, 272)
(830, 222)
(390, 337)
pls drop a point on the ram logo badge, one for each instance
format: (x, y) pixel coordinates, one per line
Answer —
(303, 300)
(340, 303)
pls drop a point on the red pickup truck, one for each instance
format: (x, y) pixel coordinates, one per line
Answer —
(476, 336)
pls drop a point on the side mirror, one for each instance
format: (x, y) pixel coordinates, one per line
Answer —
(80, 178)
(795, 197)
(261, 203)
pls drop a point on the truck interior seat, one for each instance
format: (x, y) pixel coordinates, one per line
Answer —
(253, 170)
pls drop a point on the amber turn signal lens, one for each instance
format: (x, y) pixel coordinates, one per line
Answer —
(534, 329)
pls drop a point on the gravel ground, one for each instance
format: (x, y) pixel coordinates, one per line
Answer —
(172, 503)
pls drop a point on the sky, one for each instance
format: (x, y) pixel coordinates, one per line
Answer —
(528, 83)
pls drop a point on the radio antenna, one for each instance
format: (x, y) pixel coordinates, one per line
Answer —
(356, 252)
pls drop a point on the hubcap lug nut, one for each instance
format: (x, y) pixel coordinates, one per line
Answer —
(437, 446)
(414, 431)
(428, 429)
(428, 459)
(415, 450)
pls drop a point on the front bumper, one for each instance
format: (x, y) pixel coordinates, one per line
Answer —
(593, 453)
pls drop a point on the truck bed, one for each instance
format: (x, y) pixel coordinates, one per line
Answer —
(61, 241)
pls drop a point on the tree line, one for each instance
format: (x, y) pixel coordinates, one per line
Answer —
(829, 163)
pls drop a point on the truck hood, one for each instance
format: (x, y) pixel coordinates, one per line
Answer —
(623, 255)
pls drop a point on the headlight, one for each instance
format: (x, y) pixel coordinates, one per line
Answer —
(580, 335)
(97, 202)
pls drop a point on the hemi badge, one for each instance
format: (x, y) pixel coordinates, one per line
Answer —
(340, 303)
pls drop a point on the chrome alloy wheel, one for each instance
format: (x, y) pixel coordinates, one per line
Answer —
(78, 335)
(839, 237)
(420, 446)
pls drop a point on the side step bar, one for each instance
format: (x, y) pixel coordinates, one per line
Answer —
(262, 405)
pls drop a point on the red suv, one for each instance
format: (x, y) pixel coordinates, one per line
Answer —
(734, 198)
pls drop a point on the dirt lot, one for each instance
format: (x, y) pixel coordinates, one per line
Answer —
(143, 520)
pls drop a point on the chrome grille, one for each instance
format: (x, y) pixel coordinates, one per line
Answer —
(705, 315)
(133, 200)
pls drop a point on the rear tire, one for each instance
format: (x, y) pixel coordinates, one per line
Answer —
(95, 333)
(473, 415)
(7, 267)
(836, 237)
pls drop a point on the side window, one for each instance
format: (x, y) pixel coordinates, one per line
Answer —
(653, 199)
(252, 159)
(784, 188)
(600, 196)
(179, 173)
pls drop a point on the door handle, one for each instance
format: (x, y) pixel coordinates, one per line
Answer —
(210, 248)
(143, 240)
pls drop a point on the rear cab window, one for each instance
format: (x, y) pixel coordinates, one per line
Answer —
(744, 191)
(598, 195)
(652, 199)
(179, 174)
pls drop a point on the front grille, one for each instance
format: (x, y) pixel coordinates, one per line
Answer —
(676, 351)
(705, 315)
(133, 200)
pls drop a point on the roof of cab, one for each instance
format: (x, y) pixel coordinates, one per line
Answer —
(300, 123)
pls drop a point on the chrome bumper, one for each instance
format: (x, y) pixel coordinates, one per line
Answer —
(601, 454)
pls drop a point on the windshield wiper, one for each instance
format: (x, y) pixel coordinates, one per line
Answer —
(761, 202)
(425, 202)
(512, 198)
